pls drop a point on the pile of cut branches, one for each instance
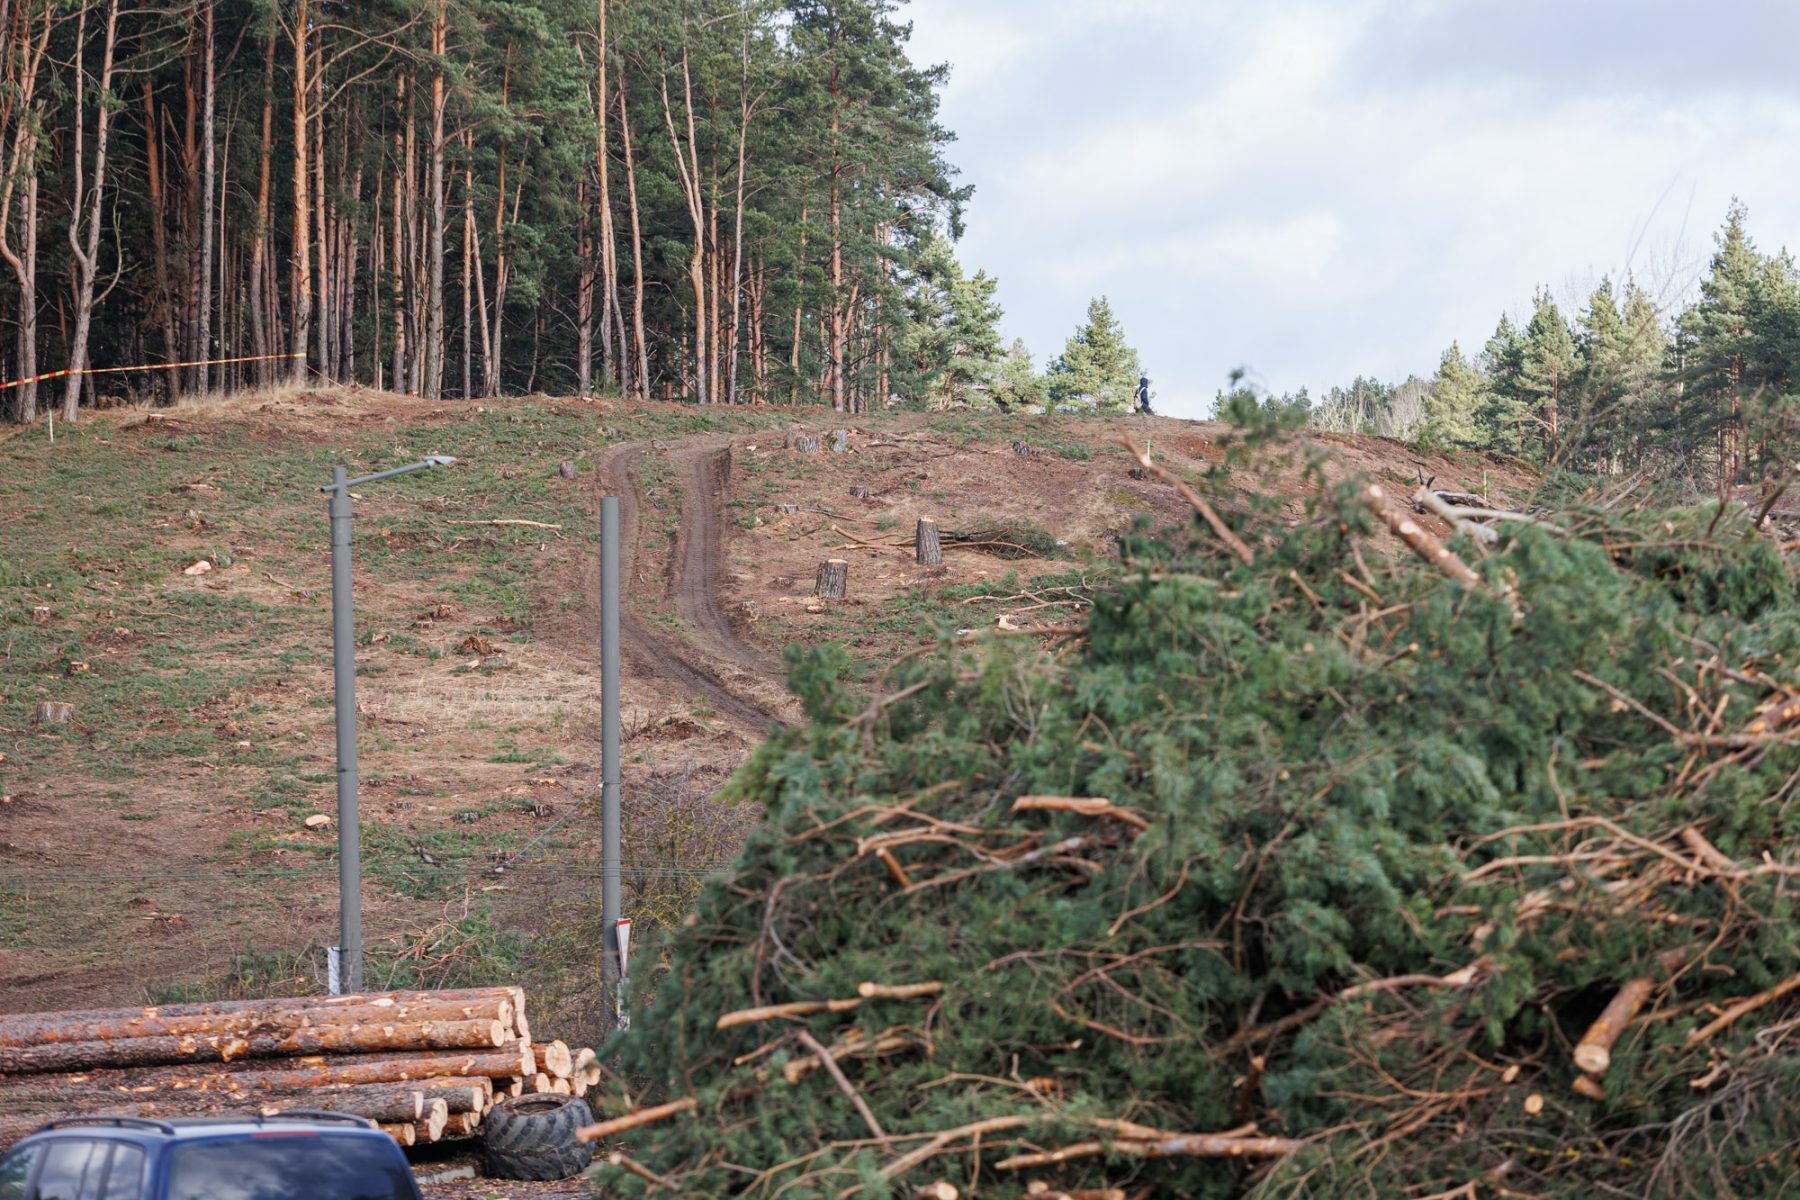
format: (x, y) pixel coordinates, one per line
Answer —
(1330, 858)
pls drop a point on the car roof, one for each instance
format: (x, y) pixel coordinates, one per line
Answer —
(192, 1129)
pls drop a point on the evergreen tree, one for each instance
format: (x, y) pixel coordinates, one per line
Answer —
(1018, 384)
(1098, 370)
(1548, 364)
(1720, 342)
(951, 342)
(1452, 406)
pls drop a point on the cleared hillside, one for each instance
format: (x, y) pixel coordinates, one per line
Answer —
(156, 846)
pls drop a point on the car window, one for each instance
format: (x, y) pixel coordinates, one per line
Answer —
(124, 1175)
(68, 1165)
(15, 1171)
(290, 1166)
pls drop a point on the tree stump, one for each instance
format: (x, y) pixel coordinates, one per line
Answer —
(926, 548)
(566, 470)
(806, 443)
(1022, 450)
(51, 712)
(834, 579)
(859, 491)
(1138, 473)
(840, 441)
(786, 510)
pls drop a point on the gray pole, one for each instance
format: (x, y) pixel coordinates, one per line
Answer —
(609, 749)
(343, 656)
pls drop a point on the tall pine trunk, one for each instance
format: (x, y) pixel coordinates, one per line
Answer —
(261, 344)
(642, 371)
(300, 287)
(202, 336)
(89, 198)
(434, 330)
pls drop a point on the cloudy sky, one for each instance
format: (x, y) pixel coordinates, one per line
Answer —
(1316, 189)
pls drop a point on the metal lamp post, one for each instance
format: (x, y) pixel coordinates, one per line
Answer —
(346, 975)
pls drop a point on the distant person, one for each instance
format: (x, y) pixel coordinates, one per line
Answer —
(1141, 401)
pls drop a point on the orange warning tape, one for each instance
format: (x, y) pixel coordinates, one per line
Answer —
(204, 362)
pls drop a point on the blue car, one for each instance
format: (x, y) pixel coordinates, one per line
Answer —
(293, 1156)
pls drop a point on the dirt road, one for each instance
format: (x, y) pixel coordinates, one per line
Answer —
(705, 658)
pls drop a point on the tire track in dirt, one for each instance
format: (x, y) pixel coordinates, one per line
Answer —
(696, 568)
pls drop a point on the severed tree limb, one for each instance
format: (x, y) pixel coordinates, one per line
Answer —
(774, 1012)
(1212, 518)
(618, 1158)
(1748, 1005)
(838, 1077)
(1181, 1145)
(869, 990)
(1593, 1053)
(1427, 547)
(643, 1116)
(526, 524)
(1090, 806)
(1708, 854)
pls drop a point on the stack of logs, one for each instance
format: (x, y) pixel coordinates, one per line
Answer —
(426, 1065)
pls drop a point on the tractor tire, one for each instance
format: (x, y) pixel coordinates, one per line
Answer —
(533, 1137)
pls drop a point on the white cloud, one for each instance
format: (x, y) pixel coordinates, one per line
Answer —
(1310, 188)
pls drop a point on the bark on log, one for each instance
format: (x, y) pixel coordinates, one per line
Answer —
(186, 1048)
(377, 1102)
(927, 550)
(310, 1072)
(1593, 1053)
(834, 579)
(102, 1024)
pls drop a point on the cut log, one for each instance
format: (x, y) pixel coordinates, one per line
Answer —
(315, 1071)
(834, 579)
(461, 1125)
(927, 550)
(187, 1048)
(556, 1060)
(562, 1087)
(540, 1082)
(406, 1135)
(430, 1127)
(514, 1087)
(51, 712)
(460, 1093)
(1593, 1053)
(377, 1102)
(502, 1004)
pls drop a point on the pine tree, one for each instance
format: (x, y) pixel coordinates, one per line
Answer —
(1547, 368)
(952, 339)
(1098, 370)
(1454, 401)
(1720, 340)
(1017, 383)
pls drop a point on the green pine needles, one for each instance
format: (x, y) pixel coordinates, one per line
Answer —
(1330, 855)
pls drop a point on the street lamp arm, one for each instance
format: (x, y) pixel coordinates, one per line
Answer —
(436, 460)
